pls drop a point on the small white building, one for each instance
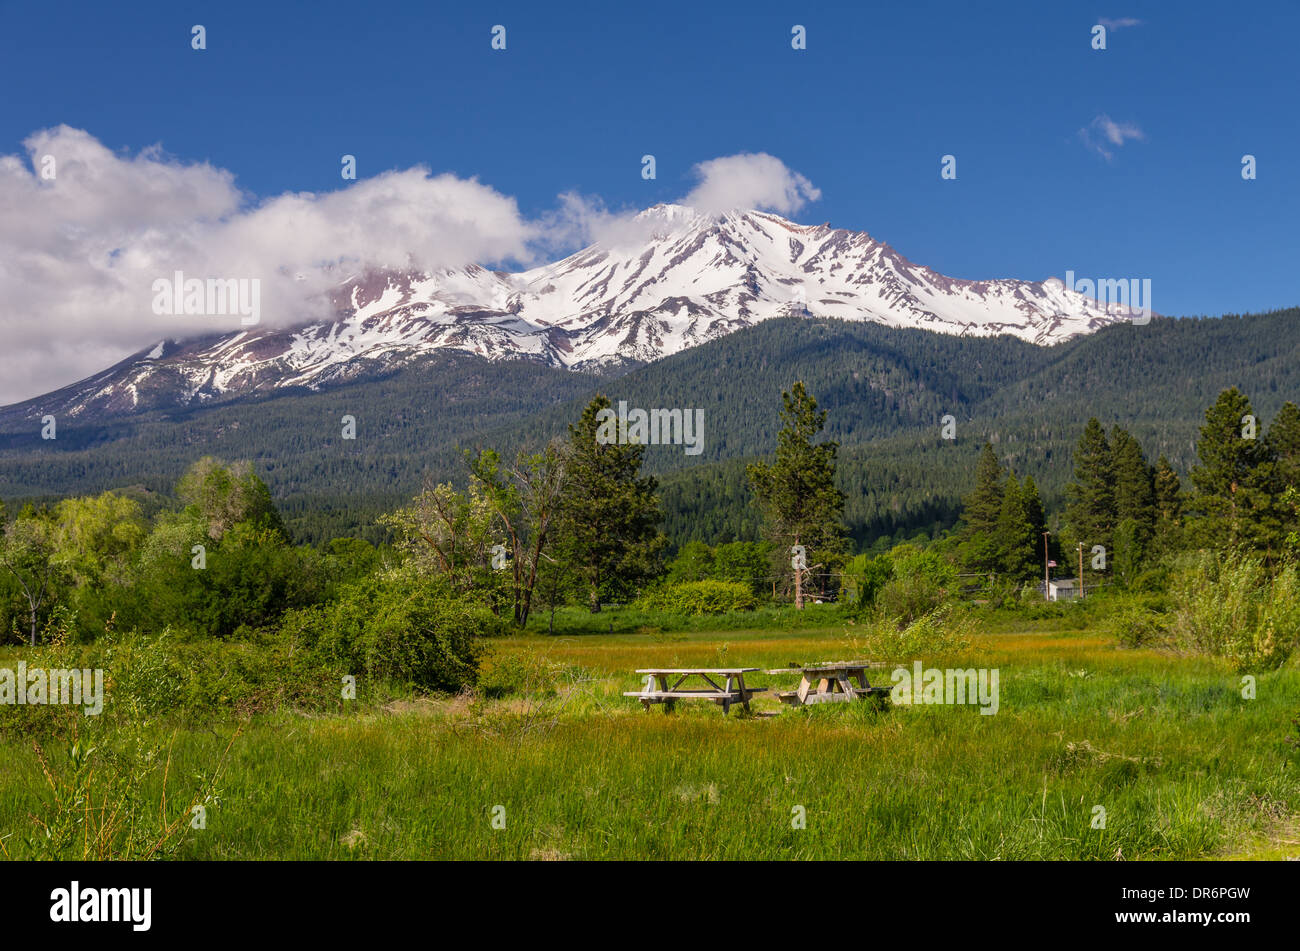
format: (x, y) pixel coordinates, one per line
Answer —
(1061, 589)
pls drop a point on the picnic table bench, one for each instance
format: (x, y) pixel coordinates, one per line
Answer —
(830, 683)
(658, 689)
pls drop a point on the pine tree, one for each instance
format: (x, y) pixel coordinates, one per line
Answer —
(1135, 509)
(985, 503)
(983, 507)
(1014, 536)
(1134, 482)
(1090, 511)
(1283, 443)
(1168, 499)
(1232, 503)
(608, 522)
(1037, 519)
(1033, 505)
(796, 493)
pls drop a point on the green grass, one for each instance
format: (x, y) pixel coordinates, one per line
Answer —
(1183, 765)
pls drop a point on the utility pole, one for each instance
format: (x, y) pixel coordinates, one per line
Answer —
(1047, 578)
(1080, 571)
(797, 563)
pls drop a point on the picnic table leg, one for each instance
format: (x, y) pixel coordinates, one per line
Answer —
(670, 704)
(744, 694)
(804, 686)
(845, 687)
(726, 701)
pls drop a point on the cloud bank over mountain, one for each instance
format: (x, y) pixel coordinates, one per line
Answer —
(86, 231)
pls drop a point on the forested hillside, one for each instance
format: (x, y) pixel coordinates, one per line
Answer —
(885, 391)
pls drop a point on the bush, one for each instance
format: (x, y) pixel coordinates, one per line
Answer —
(1138, 626)
(864, 576)
(942, 631)
(918, 582)
(154, 675)
(745, 562)
(909, 597)
(1229, 606)
(398, 627)
(694, 562)
(1032, 607)
(699, 597)
(520, 673)
(910, 561)
(251, 577)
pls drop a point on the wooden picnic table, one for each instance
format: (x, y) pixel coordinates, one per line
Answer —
(658, 689)
(837, 682)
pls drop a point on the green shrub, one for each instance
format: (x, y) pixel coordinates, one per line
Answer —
(1138, 626)
(745, 562)
(944, 630)
(1031, 604)
(909, 597)
(694, 562)
(699, 597)
(918, 582)
(1230, 606)
(398, 627)
(911, 561)
(520, 673)
(864, 576)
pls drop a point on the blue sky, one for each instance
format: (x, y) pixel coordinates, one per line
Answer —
(866, 112)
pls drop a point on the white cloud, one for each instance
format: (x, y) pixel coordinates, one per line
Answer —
(729, 183)
(749, 180)
(79, 253)
(1104, 135)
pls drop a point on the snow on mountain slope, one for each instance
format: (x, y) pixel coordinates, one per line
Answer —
(674, 280)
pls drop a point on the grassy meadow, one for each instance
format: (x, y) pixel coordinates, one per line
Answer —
(1182, 764)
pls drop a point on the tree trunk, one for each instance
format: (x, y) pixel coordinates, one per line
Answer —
(525, 607)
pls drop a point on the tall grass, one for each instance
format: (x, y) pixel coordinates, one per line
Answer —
(1182, 764)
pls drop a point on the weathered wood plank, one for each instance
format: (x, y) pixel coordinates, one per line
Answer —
(719, 671)
(680, 694)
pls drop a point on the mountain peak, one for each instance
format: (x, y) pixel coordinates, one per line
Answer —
(667, 211)
(688, 278)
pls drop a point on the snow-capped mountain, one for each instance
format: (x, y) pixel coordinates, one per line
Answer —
(671, 279)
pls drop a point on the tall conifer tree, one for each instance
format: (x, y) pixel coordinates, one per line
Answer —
(607, 527)
(1015, 534)
(1168, 504)
(1090, 511)
(1134, 482)
(982, 509)
(1232, 500)
(796, 493)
